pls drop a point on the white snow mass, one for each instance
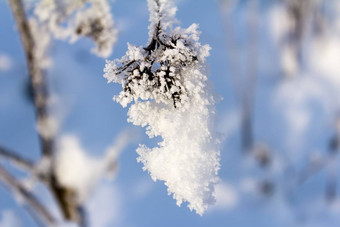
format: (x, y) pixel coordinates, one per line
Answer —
(168, 93)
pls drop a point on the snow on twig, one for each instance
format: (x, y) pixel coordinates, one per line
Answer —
(169, 93)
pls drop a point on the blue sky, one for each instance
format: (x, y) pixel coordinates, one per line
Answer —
(87, 111)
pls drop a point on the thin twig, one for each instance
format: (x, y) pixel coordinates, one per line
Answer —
(16, 159)
(310, 170)
(232, 45)
(249, 92)
(82, 213)
(29, 198)
(331, 184)
(245, 95)
(37, 80)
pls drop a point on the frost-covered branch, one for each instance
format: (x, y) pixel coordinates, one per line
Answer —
(27, 197)
(66, 20)
(62, 195)
(41, 171)
(154, 71)
(71, 20)
(36, 73)
(169, 93)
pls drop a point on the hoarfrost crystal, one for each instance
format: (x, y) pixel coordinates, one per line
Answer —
(169, 94)
(69, 20)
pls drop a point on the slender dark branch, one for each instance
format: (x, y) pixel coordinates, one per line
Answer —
(35, 217)
(246, 94)
(155, 40)
(124, 67)
(83, 214)
(310, 170)
(231, 42)
(247, 139)
(249, 93)
(63, 196)
(16, 159)
(317, 165)
(24, 164)
(331, 186)
(39, 87)
(151, 46)
(301, 12)
(29, 198)
(66, 199)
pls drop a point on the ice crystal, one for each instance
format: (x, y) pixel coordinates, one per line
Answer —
(169, 94)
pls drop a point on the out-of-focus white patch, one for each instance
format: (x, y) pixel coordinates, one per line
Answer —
(325, 57)
(104, 207)
(120, 142)
(124, 24)
(43, 167)
(226, 197)
(335, 207)
(48, 127)
(336, 18)
(5, 63)
(66, 224)
(77, 170)
(299, 101)
(142, 188)
(9, 219)
(280, 21)
(248, 185)
(289, 61)
(114, 150)
(229, 123)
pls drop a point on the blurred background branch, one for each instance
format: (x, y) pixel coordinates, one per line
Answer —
(280, 162)
(28, 198)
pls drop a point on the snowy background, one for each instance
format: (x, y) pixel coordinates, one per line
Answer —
(295, 118)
